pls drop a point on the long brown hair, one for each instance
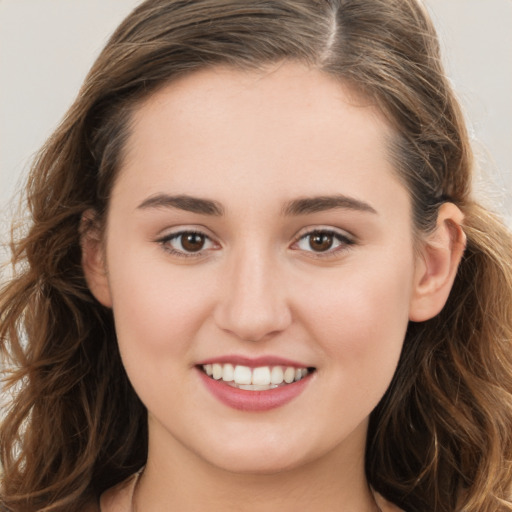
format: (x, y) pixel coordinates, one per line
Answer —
(440, 439)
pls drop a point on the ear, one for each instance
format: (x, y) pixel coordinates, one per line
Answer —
(437, 265)
(93, 258)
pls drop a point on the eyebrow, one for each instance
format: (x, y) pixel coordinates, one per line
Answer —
(183, 202)
(317, 204)
(302, 206)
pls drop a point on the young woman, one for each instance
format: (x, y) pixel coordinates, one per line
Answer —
(255, 276)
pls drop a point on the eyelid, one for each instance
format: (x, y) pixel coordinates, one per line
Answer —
(322, 228)
(168, 236)
(347, 240)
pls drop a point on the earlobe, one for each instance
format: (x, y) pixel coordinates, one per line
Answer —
(437, 266)
(93, 259)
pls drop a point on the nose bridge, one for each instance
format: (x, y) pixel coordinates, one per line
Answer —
(253, 303)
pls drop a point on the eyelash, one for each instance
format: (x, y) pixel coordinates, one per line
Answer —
(345, 242)
(166, 240)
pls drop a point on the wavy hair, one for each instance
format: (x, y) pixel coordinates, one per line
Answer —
(440, 439)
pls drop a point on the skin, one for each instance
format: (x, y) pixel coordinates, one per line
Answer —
(253, 142)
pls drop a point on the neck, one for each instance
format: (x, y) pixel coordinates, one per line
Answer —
(182, 480)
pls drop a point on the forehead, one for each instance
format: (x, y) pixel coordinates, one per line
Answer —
(288, 127)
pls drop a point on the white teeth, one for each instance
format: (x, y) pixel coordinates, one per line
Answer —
(289, 375)
(217, 371)
(228, 373)
(261, 376)
(255, 379)
(277, 375)
(243, 375)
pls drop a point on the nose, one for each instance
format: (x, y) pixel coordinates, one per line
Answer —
(253, 303)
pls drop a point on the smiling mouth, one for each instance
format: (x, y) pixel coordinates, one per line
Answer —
(261, 378)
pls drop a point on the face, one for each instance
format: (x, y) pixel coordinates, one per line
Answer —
(257, 223)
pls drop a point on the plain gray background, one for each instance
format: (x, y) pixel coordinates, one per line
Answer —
(47, 46)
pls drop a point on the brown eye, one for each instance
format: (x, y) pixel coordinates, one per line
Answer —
(324, 242)
(192, 242)
(320, 242)
(187, 243)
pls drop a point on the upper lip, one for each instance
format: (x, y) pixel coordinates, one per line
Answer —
(253, 362)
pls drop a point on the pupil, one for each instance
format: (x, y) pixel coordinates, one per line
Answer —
(321, 241)
(192, 242)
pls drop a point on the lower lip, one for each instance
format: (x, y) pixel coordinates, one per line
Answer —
(255, 401)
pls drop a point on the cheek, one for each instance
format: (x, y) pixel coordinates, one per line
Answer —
(158, 311)
(359, 315)
(157, 307)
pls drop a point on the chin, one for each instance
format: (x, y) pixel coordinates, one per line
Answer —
(246, 456)
(248, 465)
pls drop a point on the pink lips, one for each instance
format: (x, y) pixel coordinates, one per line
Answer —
(254, 401)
